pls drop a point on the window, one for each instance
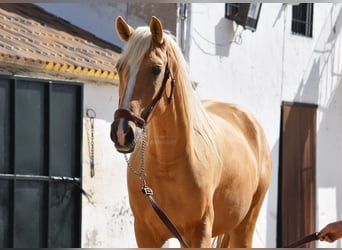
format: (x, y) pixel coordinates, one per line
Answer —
(244, 14)
(40, 163)
(302, 19)
(232, 9)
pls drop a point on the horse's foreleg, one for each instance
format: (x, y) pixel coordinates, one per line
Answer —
(201, 234)
(145, 237)
(201, 237)
(242, 235)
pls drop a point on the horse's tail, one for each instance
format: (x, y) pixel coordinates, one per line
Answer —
(221, 241)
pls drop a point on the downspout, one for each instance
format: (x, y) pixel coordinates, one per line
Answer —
(283, 52)
(183, 24)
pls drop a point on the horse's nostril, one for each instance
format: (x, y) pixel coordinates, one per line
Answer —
(113, 136)
(130, 136)
(113, 129)
(123, 135)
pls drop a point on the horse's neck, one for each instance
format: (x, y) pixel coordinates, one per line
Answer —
(169, 133)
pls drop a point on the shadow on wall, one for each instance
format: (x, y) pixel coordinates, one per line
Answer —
(336, 29)
(329, 173)
(272, 194)
(329, 71)
(224, 37)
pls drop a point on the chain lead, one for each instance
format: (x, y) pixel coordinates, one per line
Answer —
(141, 174)
(91, 115)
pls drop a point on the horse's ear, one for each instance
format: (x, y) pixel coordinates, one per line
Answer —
(156, 30)
(123, 29)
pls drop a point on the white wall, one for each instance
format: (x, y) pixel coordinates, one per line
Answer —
(107, 220)
(326, 64)
(261, 69)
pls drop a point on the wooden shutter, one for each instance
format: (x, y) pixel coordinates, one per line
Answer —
(297, 173)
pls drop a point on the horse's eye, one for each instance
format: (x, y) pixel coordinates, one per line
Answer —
(156, 70)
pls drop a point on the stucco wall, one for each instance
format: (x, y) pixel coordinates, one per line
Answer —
(259, 70)
(106, 217)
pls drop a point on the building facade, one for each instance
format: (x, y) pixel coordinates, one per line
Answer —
(290, 79)
(287, 73)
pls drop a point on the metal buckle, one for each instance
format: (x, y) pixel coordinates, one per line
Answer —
(146, 190)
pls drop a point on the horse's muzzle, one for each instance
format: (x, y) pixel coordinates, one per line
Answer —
(123, 130)
(122, 134)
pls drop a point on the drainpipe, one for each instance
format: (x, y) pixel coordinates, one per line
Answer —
(182, 25)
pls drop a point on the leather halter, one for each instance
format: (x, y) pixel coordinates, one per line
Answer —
(140, 121)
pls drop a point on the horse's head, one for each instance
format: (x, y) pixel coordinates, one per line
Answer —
(146, 83)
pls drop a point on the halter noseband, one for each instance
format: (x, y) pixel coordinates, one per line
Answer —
(140, 121)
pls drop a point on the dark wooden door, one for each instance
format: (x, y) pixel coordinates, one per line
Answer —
(297, 173)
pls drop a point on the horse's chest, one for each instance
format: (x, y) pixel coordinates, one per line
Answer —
(173, 190)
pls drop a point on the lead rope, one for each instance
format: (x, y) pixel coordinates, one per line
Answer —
(148, 191)
(304, 240)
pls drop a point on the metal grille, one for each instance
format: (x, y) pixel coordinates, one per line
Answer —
(40, 163)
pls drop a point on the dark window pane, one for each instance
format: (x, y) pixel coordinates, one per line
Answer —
(232, 9)
(302, 18)
(64, 218)
(4, 126)
(64, 140)
(29, 128)
(29, 214)
(5, 214)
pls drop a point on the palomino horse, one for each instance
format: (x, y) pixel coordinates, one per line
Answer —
(208, 163)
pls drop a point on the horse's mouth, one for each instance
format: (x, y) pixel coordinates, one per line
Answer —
(125, 149)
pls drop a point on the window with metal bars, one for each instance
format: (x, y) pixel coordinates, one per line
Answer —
(302, 19)
(40, 163)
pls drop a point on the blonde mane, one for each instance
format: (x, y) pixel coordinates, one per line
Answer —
(198, 119)
(136, 47)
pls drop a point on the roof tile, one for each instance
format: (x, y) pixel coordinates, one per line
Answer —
(33, 37)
